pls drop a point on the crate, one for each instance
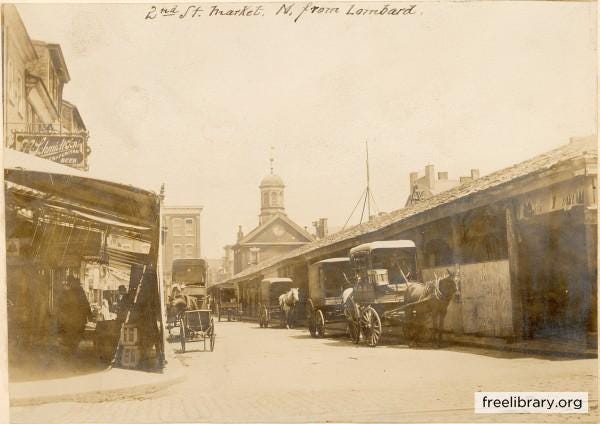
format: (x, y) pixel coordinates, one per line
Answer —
(129, 335)
(130, 356)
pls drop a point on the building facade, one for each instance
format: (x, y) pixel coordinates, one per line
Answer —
(181, 236)
(276, 233)
(37, 120)
(424, 186)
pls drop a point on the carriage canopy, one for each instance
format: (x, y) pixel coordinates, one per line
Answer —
(272, 288)
(328, 278)
(383, 262)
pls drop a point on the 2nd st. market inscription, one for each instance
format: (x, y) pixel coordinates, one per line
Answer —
(294, 11)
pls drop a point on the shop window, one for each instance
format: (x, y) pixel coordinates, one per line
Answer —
(177, 227)
(189, 250)
(176, 251)
(189, 226)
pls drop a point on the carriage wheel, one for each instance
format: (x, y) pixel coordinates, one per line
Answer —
(320, 323)
(182, 335)
(371, 326)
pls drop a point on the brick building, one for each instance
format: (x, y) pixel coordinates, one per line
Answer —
(424, 186)
(181, 235)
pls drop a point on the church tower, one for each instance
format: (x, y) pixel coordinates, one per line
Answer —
(271, 196)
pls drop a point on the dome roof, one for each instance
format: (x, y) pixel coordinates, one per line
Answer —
(272, 180)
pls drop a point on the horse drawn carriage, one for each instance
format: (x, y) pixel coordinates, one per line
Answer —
(277, 299)
(327, 281)
(387, 295)
(197, 325)
(225, 303)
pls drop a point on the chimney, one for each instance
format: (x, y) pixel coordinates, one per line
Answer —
(474, 173)
(240, 234)
(442, 175)
(414, 176)
(323, 227)
(430, 176)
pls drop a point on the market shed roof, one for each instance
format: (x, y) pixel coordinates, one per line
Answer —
(578, 149)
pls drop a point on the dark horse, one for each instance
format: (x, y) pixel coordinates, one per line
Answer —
(431, 299)
(178, 304)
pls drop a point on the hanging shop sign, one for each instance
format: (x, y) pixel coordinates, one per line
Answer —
(66, 149)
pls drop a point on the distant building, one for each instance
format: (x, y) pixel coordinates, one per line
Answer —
(181, 235)
(276, 233)
(425, 186)
(37, 120)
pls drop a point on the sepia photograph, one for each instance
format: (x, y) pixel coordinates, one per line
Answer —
(299, 212)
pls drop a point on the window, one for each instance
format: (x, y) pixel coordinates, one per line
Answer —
(189, 250)
(265, 199)
(253, 256)
(176, 251)
(189, 226)
(273, 198)
(177, 227)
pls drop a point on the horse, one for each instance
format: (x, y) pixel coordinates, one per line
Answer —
(178, 304)
(433, 297)
(287, 303)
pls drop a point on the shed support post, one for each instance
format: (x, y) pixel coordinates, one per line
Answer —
(457, 257)
(512, 242)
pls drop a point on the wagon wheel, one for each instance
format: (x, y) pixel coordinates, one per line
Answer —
(182, 335)
(312, 328)
(371, 326)
(319, 323)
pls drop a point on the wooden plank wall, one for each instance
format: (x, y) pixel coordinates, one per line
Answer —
(485, 306)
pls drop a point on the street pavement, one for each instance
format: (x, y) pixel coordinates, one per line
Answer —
(279, 375)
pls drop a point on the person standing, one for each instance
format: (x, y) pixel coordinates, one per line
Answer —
(73, 314)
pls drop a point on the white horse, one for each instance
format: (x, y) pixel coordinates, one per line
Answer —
(287, 303)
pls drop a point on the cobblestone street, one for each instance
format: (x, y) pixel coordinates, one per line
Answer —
(276, 375)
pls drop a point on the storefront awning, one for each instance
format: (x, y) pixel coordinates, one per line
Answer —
(81, 192)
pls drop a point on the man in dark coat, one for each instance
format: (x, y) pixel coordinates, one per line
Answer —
(73, 313)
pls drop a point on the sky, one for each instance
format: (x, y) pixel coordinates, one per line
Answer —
(197, 103)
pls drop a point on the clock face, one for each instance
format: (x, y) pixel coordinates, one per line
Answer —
(278, 230)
